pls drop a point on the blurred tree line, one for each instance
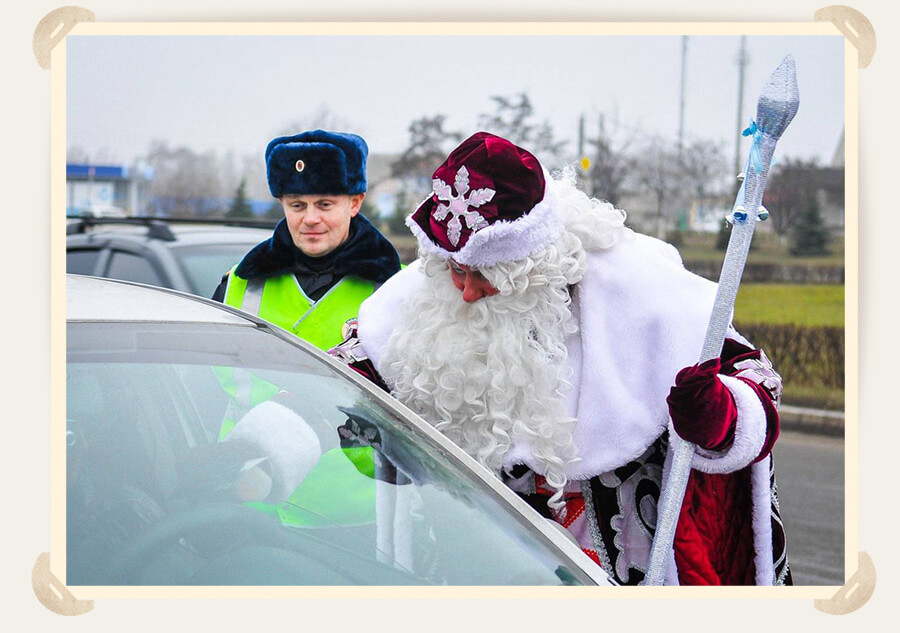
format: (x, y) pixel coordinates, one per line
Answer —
(625, 166)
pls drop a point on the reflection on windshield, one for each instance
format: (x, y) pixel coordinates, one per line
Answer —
(256, 463)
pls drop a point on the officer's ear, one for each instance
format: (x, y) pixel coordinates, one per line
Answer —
(356, 203)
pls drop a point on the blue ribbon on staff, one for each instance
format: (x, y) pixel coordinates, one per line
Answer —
(754, 131)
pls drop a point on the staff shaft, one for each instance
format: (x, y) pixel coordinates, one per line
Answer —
(673, 489)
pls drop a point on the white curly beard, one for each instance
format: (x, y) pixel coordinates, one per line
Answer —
(490, 372)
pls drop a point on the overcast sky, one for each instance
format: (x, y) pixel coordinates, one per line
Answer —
(234, 93)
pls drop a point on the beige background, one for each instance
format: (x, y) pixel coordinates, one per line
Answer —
(25, 473)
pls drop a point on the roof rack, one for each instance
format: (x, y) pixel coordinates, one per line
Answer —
(158, 227)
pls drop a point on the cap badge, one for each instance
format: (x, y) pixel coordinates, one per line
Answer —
(299, 165)
(459, 205)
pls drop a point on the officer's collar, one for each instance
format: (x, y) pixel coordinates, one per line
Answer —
(365, 253)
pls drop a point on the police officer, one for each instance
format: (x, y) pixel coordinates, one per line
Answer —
(323, 258)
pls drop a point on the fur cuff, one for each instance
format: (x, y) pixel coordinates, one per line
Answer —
(285, 439)
(749, 434)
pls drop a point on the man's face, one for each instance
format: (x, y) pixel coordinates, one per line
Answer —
(470, 282)
(319, 223)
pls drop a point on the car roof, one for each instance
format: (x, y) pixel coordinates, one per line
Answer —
(193, 234)
(183, 234)
(96, 299)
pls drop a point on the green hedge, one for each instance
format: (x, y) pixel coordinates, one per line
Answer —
(804, 356)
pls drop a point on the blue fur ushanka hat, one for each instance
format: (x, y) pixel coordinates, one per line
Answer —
(317, 162)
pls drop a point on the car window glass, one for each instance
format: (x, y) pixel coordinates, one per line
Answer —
(82, 261)
(131, 267)
(193, 461)
(204, 264)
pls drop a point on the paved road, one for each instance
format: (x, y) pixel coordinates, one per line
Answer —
(809, 470)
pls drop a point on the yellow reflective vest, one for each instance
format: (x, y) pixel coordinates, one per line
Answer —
(281, 300)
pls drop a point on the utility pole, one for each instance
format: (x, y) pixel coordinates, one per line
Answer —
(742, 61)
(681, 106)
(583, 161)
(682, 216)
(581, 137)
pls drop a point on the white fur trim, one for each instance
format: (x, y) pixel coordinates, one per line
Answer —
(384, 310)
(749, 433)
(504, 241)
(762, 522)
(291, 446)
(642, 317)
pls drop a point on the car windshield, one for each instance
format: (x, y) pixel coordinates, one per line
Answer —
(193, 462)
(204, 264)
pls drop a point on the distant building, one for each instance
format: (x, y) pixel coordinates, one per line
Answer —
(107, 189)
(837, 160)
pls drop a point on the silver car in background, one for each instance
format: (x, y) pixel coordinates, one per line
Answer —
(190, 255)
(157, 491)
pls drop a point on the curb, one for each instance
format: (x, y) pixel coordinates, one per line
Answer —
(815, 421)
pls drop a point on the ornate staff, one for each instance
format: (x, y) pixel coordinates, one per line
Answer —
(775, 109)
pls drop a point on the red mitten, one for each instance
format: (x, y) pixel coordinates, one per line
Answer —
(702, 408)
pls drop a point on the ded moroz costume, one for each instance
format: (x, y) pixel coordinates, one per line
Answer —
(567, 378)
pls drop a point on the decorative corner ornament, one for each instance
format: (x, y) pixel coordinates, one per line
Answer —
(855, 592)
(53, 593)
(855, 27)
(53, 28)
(459, 206)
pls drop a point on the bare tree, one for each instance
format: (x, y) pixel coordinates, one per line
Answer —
(703, 167)
(253, 170)
(611, 162)
(704, 171)
(429, 143)
(659, 172)
(428, 146)
(189, 180)
(675, 177)
(792, 188)
(514, 119)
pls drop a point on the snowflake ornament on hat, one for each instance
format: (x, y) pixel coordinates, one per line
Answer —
(498, 209)
(459, 205)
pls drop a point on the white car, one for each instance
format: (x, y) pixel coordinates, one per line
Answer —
(207, 447)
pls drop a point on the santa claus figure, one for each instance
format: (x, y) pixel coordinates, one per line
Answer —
(557, 348)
